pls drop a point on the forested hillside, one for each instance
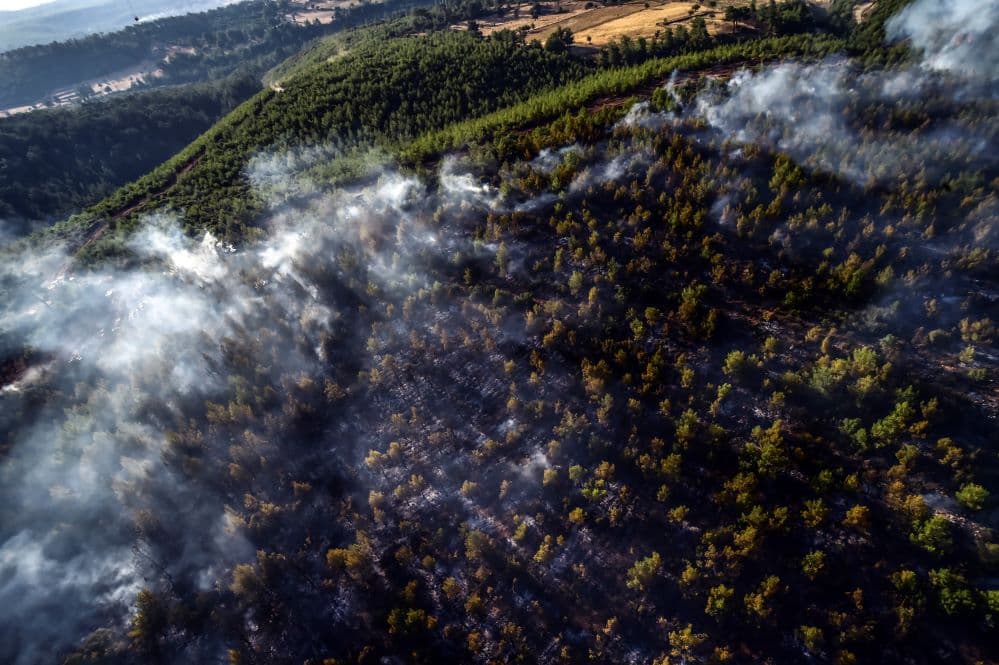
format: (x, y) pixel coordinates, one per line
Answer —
(376, 95)
(54, 162)
(29, 73)
(252, 36)
(59, 20)
(457, 349)
(57, 161)
(394, 97)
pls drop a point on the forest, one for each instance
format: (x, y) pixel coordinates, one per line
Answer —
(254, 35)
(378, 93)
(128, 147)
(53, 162)
(31, 72)
(56, 161)
(390, 95)
(459, 350)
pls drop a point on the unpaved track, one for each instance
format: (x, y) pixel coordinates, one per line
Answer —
(100, 226)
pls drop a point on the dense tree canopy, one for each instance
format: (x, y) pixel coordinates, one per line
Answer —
(57, 161)
(693, 360)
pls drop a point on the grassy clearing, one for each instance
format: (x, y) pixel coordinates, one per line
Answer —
(591, 19)
(641, 23)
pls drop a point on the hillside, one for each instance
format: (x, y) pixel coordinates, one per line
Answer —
(455, 348)
(361, 116)
(54, 162)
(166, 51)
(250, 36)
(225, 47)
(109, 108)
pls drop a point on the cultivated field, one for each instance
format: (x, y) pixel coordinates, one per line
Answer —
(322, 10)
(596, 25)
(519, 16)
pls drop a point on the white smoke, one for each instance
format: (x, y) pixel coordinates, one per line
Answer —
(956, 36)
(464, 188)
(801, 109)
(614, 170)
(114, 345)
(117, 343)
(642, 116)
(549, 158)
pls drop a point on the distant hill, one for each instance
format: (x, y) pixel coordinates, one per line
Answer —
(66, 19)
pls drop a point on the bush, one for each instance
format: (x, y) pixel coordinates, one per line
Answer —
(933, 535)
(972, 496)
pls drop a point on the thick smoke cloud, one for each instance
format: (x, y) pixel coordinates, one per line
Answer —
(957, 36)
(75, 473)
(801, 109)
(119, 356)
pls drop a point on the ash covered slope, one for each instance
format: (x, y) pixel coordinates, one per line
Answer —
(681, 381)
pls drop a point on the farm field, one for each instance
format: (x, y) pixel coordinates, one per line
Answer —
(519, 16)
(323, 11)
(601, 26)
(596, 25)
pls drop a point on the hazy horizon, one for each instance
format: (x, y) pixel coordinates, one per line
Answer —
(31, 22)
(19, 5)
